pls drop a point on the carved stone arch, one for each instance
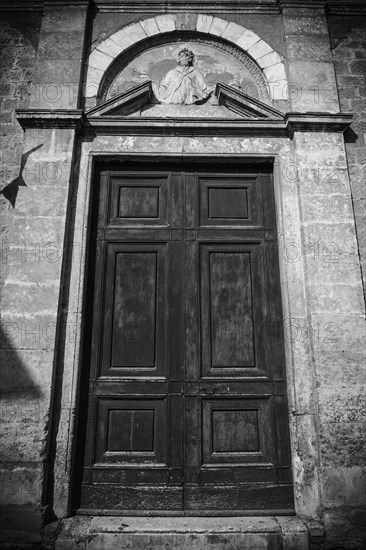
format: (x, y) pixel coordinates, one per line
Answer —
(105, 60)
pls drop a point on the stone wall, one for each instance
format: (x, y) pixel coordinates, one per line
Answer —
(22, 421)
(41, 71)
(348, 43)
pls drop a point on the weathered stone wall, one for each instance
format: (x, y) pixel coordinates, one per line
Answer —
(22, 421)
(42, 56)
(348, 43)
(342, 399)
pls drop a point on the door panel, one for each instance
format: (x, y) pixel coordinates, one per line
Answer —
(135, 323)
(187, 410)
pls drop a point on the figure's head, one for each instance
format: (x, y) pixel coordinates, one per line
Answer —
(185, 57)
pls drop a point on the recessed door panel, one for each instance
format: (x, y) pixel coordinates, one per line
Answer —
(134, 325)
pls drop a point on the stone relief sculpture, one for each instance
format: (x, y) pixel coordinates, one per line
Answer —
(183, 85)
(201, 64)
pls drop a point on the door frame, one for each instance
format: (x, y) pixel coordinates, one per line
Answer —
(262, 173)
(292, 280)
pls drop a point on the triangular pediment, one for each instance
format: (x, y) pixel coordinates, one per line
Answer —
(245, 105)
(139, 100)
(125, 103)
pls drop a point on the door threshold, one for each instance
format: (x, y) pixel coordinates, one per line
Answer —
(180, 533)
(183, 514)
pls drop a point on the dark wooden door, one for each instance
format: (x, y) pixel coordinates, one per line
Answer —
(187, 407)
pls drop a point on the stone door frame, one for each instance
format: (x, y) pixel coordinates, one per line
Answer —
(300, 373)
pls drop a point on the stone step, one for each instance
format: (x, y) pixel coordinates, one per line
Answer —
(182, 533)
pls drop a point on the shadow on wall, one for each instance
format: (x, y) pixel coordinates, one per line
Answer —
(10, 191)
(15, 378)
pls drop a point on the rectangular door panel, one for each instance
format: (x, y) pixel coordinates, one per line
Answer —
(134, 325)
(228, 201)
(131, 432)
(232, 317)
(138, 200)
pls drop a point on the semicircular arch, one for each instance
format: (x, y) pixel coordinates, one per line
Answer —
(103, 59)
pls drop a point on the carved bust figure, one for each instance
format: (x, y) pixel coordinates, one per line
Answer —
(183, 85)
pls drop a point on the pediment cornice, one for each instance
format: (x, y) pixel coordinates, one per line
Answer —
(256, 118)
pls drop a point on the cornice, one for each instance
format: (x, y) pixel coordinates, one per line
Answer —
(47, 118)
(338, 7)
(116, 125)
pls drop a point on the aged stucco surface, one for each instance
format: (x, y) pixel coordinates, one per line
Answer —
(319, 187)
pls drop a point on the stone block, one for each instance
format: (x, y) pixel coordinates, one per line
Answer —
(269, 59)
(99, 60)
(305, 21)
(232, 32)
(306, 463)
(27, 230)
(351, 80)
(23, 430)
(294, 532)
(122, 38)
(358, 67)
(20, 526)
(64, 71)
(218, 26)
(53, 145)
(186, 21)
(316, 85)
(150, 26)
(330, 208)
(342, 405)
(343, 365)
(204, 22)
(20, 485)
(94, 75)
(297, 332)
(54, 95)
(247, 39)
(275, 73)
(109, 47)
(35, 331)
(305, 47)
(259, 49)
(135, 32)
(340, 234)
(279, 90)
(64, 19)
(29, 201)
(33, 262)
(29, 298)
(341, 444)
(60, 45)
(341, 533)
(324, 262)
(343, 333)
(166, 23)
(338, 298)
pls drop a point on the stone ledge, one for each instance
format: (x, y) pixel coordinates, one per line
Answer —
(181, 533)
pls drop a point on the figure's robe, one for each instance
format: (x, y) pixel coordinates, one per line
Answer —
(181, 86)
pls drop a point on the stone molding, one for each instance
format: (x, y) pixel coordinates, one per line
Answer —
(106, 52)
(347, 7)
(117, 125)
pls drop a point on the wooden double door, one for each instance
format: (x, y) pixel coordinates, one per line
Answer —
(186, 397)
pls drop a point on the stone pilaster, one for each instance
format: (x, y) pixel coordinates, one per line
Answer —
(310, 71)
(60, 57)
